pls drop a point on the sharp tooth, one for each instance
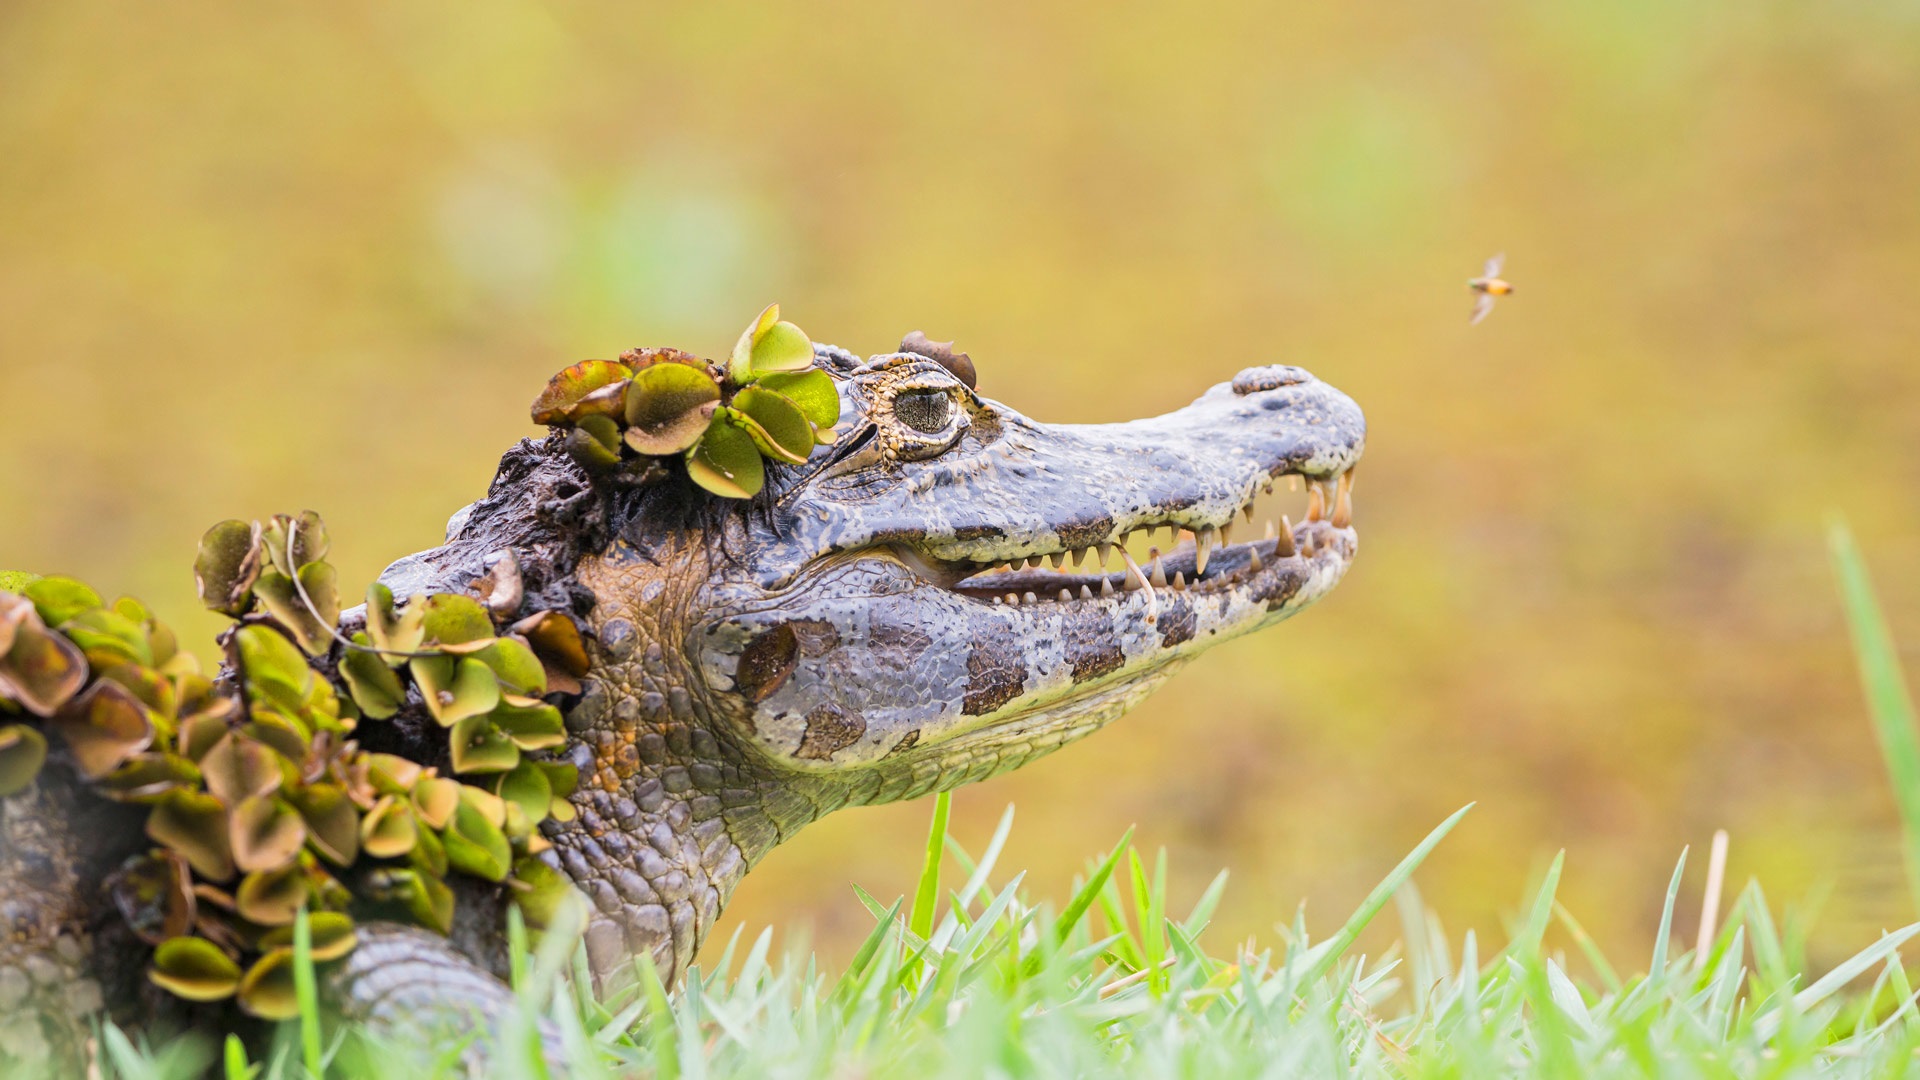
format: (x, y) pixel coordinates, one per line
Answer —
(1293, 482)
(1106, 552)
(1034, 561)
(1159, 575)
(1254, 557)
(1029, 598)
(1106, 586)
(1316, 503)
(1269, 535)
(1226, 535)
(1306, 543)
(1012, 600)
(1247, 511)
(1173, 536)
(997, 601)
(1079, 557)
(1086, 591)
(1202, 546)
(1066, 595)
(1058, 559)
(1283, 544)
(1135, 579)
(1179, 581)
(1343, 502)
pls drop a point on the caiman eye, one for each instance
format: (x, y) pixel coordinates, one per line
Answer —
(929, 412)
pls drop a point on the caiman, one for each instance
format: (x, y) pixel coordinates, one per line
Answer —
(935, 593)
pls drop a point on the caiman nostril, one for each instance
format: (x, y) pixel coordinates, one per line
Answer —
(1272, 377)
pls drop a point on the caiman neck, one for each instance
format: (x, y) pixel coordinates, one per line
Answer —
(671, 816)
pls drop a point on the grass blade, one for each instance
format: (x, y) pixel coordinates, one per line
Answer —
(927, 896)
(1324, 955)
(1888, 701)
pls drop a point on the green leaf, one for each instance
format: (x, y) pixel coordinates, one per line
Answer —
(61, 598)
(271, 662)
(813, 392)
(479, 747)
(332, 932)
(103, 728)
(476, 845)
(668, 406)
(726, 461)
(435, 798)
(194, 824)
(531, 727)
(15, 581)
(227, 566)
(774, 424)
(239, 767)
(374, 686)
(526, 787)
(512, 661)
(452, 619)
(565, 391)
(22, 751)
(455, 688)
(267, 990)
(109, 638)
(769, 345)
(389, 830)
(545, 890)
(307, 533)
(43, 670)
(266, 833)
(595, 443)
(195, 969)
(390, 633)
(272, 897)
(333, 821)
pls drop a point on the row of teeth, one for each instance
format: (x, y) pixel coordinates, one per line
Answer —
(1205, 540)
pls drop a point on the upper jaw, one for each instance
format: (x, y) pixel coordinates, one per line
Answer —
(1044, 513)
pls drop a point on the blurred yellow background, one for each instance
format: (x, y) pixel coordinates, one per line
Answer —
(273, 256)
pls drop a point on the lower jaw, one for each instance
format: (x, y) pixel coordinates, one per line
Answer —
(1241, 567)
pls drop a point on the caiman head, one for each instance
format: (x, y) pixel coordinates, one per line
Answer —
(940, 595)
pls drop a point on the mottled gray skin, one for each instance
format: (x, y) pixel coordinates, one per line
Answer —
(758, 665)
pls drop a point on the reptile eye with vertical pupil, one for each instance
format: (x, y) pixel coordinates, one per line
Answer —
(926, 411)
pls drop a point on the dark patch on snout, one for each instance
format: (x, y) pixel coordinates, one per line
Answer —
(978, 532)
(830, 728)
(1176, 623)
(1079, 534)
(817, 637)
(996, 670)
(904, 642)
(1091, 648)
(1277, 589)
(767, 662)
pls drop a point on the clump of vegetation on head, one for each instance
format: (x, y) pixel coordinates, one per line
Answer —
(768, 402)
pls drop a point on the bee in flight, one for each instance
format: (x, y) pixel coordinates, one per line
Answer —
(1488, 285)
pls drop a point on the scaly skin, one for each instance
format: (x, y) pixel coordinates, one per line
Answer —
(758, 665)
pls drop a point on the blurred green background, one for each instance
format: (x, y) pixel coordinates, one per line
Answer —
(274, 256)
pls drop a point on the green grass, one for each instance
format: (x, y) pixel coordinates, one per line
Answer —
(1122, 979)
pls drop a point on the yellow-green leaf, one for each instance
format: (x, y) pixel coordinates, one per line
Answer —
(195, 969)
(668, 406)
(726, 462)
(22, 751)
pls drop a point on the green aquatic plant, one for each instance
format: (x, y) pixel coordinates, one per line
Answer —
(260, 803)
(768, 402)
